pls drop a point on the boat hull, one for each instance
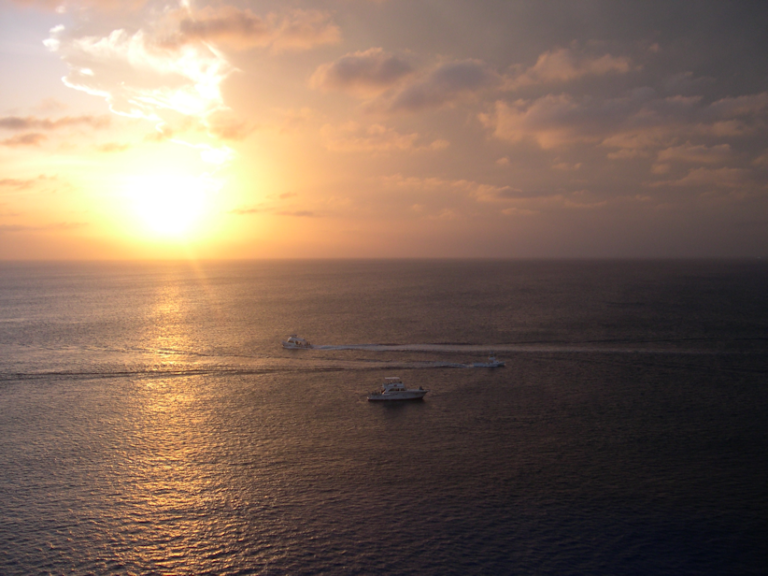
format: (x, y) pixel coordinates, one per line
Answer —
(397, 396)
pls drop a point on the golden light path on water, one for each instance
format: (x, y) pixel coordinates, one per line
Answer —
(177, 482)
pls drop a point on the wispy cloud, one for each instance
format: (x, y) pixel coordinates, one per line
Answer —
(35, 123)
(467, 188)
(274, 211)
(242, 29)
(506, 199)
(578, 200)
(25, 183)
(297, 213)
(367, 72)
(711, 178)
(54, 227)
(32, 125)
(692, 154)
(101, 5)
(445, 85)
(639, 124)
(550, 121)
(169, 69)
(563, 65)
(394, 85)
(113, 147)
(29, 139)
(376, 138)
(391, 84)
(139, 77)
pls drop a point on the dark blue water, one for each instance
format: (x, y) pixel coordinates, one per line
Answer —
(150, 422)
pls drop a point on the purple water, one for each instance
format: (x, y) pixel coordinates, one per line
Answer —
(151, 423)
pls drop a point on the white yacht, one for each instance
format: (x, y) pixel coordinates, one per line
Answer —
(492, 363)
(296, 343)
(394, 389)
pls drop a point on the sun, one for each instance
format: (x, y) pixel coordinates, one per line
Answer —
(170, 205)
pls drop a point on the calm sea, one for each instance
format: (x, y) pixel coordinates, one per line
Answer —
(151, 423)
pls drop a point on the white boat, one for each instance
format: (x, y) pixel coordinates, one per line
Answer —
(394, 389)
(492, 363)
(296, 343)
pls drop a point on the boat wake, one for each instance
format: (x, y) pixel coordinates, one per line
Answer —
(509, 348)
(89, 362)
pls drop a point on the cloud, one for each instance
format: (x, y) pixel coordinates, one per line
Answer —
(16, 183)
(551, 121)
(24, 184)
(400, 88)
(34, 123)
(112, 147)
(29, 139)
(297, 213)
(58, 226)
(227, 127)
(469, 188)
(242, 29)
(169, 70)
(67, 5)
(748, 106)
(265, 208)
(508, 200)
(565, 65)
(305, 29)
(139, 77)
(565, 166)
(365, 73)
(577, 200)
(762, 160)
(709, 177)
(698, 154)
(247, 211)
(272, 210)
(639, 124)
(662, 122)
(392, 85)
(445, 85)
(353, 137)
(684, 82)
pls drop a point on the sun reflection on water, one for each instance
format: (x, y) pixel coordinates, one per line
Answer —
(177, 482)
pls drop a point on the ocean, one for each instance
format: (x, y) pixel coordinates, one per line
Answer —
(151, 422)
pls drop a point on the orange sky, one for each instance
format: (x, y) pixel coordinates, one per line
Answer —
(388, 128)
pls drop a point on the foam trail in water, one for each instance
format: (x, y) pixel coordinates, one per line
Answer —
(491, 349)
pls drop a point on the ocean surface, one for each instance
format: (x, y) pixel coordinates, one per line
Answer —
(151, 423)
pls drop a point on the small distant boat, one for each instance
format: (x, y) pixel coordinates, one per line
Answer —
(296, 343)
(394, 389)
(492, 363)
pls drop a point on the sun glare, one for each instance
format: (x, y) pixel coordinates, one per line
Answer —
(169, 205)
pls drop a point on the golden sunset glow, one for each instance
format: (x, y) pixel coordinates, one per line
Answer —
(314, 130)
(169, 205)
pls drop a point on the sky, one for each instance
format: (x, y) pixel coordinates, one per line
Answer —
(140, 129)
